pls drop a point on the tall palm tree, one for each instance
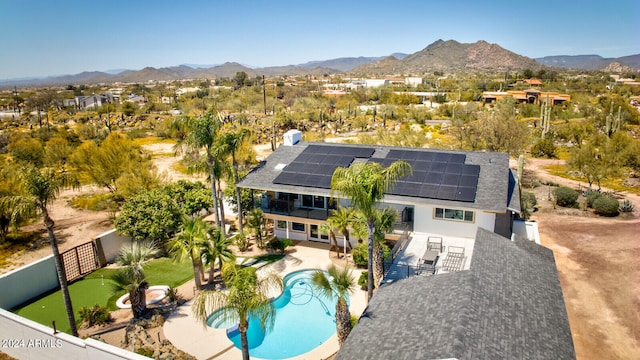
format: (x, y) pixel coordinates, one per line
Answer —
(203, 133)
(42, 186)
(338, 284)
(188, 243)
(131, 277)
(365, 184)
(217, 248)
(385, 218)
(233, 140)
(246, 295)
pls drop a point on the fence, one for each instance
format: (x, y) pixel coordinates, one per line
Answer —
(80, 260)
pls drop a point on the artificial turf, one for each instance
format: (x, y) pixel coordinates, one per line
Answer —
(90, 291)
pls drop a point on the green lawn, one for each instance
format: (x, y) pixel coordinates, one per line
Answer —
(90, 291)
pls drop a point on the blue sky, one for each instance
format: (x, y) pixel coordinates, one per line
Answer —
(48, 37)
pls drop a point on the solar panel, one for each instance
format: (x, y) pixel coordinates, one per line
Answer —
(466, 194)
(395, 154)
(428, 191)
(471, 170)
(450, 179)
(412, 189)
(441, 157)
(447, 192)
(468, 181)
(425, 156)
(438, 167)
(433, 178)
(325, 182)
(365, 152)
(420, 166)
(454, 168)
(409, 155)
(458, 158)
(416, 177)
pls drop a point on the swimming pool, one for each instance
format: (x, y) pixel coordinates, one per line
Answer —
(303, 321)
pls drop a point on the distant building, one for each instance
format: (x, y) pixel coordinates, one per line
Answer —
(92, 101)
(413, 81)
(530, 96)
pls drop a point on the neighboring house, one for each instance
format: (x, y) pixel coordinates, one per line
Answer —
(413, 81)
(450, 192)
(93, 101)
(531, 96)
(533, 82)
(508, 305)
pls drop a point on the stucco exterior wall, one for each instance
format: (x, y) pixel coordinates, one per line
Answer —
(27, 282)
(424, 222)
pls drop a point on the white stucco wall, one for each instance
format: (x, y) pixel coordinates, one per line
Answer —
(111, 243)
(28, 282)
(424, 222)
(25, 339)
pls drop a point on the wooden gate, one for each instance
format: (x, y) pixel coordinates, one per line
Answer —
(80, 260)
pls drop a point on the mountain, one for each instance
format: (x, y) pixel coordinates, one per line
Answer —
(346, 63)
(451, 56)
(590, 62)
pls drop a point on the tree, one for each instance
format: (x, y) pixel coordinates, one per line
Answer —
(151, 215)
(233, 140)
(216, 248)
(341, 219)
(384, 220)
(188, 243)
(42, 186)
(131, 277)
(255, 222)
(338, 284)
(247, 295)
(365, 184)
(589, 159)
(26, 150)
(203, 133)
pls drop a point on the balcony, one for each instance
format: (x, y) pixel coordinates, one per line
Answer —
(288, 208)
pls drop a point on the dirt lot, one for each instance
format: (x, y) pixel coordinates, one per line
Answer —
(597, 259)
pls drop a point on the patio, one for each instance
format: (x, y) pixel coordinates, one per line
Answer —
(446, 254)
(189, 335)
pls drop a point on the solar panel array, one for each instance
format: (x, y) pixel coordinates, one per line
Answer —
(435, 175)
(316, 164)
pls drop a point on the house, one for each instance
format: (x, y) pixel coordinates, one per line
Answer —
(508, 305)
(413, 81)
(530, 96)
(449, 192)
(93, 101)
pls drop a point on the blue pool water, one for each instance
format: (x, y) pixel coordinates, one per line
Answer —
(304, 320)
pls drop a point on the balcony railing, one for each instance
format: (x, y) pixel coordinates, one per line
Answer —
(286, 207)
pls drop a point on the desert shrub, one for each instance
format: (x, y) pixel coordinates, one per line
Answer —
(363, 280)
(279, 244)
(592, 196)
(606, 206)
(360, 255)
(566, 197)
(626, 206)
(241, 241)
(95, 315)
(544, 148)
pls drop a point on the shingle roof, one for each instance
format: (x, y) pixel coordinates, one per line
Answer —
(492, 189)
(509, 305)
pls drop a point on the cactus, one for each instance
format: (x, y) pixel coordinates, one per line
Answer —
(626, 206)
(545, 118)
(520, 168)
(613, 123)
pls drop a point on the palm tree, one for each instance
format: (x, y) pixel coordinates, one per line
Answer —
(256, 223)
(338, 284)
(365, 184)
(203, 133)
(233, 140)
(216, 248)
(131, 277)
(385, 218)
(41, 188)
(188, 243)
(341, 219)
(246, 295)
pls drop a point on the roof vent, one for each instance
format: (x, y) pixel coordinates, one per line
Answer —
(292, 137)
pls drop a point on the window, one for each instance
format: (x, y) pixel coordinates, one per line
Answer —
(298, 226)
(316, 233)
(281, 224)
(453, 214)
(318, 202)
(311, 201)
(307, 201)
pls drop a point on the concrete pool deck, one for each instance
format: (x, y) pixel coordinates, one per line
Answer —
(189, 335)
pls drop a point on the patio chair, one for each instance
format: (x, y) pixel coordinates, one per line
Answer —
(435, 243)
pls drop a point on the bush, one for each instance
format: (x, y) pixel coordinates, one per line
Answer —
(544, 148)
(241, 241)
(279, 244)
(360, 254)
(566, 197)
(606, 206)
(363, 280)
(592, 196)
(95, 315)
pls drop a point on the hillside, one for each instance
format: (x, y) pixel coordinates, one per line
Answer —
(451, 56)
(590, 62)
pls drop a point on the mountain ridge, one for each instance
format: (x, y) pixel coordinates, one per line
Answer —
(441, 55)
